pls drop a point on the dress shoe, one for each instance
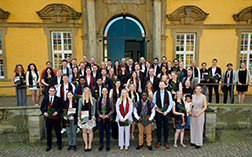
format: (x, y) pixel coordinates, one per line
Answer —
(86, 150)
(89, 150)
(100, 148)
(59, 147)
(126, 148)
(69, 148)
(149, 147)
(158, 144)
(197, 147)
(48, 148)
(139, 147)
(107, 149)
(63, 131)
(74, 148)
(191, 144)
(121, 148)
(167, 146)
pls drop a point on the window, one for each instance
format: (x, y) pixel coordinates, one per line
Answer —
(1, 59)
(246, 50)
(61, 47)
(185, 47)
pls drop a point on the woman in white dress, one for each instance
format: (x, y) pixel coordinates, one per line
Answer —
(124, 108)
(87, 103)
(32, 80)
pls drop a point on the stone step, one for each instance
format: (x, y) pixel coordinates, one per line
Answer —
(7, 128)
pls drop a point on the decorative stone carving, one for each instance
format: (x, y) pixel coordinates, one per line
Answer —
(187, 15)
(3, 15)
(244, 16)
(58, 13)
(124, 1)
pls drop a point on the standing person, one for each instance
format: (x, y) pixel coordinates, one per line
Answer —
(65, 68)
(195, 71)
(124, 64)
(229, 77)
(62, 94)
(169, 65)
(73, 64)
(142, 65)
(97, 89)
(215, 77)
(140, 75)
(71, 118)
(47, 79)
(19, 80)
(105, 110)
(175, 64)
(180, 118)
(92, 63)
(115, 94)
(109, 64)
(51, 108)
(79, 89)
(74, 78)
(123, 76)
(124, 108)
(82, 71)
(148, 66)
(163, 105)
(187, 90)
(116, 67)
(154, 80)
(85, 61)
(182, 72)
(112, 76)
(89, 78)
(144, 110)
(95, 73)
(174, 84)
(57, 80)
(136, 81)
(163, 61)
(164, 71)
(87, 103)
(106, 81)
(48, 65)
(243, 78)
(156, 67)
(131, 66)
(32, 76)
(197, 119)
(204, 77)
(149, 90)
(193, 80)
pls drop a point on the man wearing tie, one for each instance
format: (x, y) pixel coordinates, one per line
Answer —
(163, 105)
(51, 108)
(196, 71)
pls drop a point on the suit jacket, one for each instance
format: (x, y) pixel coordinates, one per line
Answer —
(158, 70)
(57, 105)
(74, 105)
(110, 113)
(217, 71)
(55, 81)
(95, 78)
(155, 82)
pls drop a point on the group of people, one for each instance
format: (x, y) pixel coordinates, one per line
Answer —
(121, 95)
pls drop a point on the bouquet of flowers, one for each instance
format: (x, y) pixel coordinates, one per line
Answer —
(83, 116)
(50, 111)
(145, 120)
(125, 123)
(103, 111)
(67, 123)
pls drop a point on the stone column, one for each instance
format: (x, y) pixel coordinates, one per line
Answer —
(91, 28)
(157, 29)
(210, 126)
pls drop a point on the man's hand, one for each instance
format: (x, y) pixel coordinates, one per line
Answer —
(65, 118)
(106, 116)
(55, 113)
(46, 114)
(71, 118)
(165, 113)
(101, 116)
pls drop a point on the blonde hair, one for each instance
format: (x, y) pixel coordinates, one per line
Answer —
(121, 97)
(84, 98)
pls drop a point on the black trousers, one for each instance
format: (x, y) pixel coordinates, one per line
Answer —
(104, 126)
(216, 91)
(56, 124)
(229, 90)
(165, 120)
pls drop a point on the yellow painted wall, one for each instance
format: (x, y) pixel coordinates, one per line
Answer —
(25, 10)
(169, 45)
(220, 11)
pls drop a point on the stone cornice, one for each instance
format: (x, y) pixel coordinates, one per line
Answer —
(58, 13)
(124, 1)
(244, 16)
(3, 15)
(187, 14)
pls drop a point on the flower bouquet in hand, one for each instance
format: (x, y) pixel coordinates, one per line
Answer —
(83, 117)
(158, 109)
(64, 115)
(145, 120)
(103, 111)
(50, 111)
(125, 123)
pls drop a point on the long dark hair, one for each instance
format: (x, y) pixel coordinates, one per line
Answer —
(46, 74)
(167, 70)
(131, 77)
(114, 89)
(78, 74)
(67, 100)
(35, 69)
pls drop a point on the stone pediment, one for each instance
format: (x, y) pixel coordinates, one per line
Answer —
(3, 15)
(124, 1)
(58, 13)
(244, 16)
(187, 15)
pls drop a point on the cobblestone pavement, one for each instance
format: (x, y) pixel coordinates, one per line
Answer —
(228, 143)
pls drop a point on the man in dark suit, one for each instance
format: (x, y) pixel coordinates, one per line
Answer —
(155, 66)
(154, 80)
(57, 80)
(131, 66)
(140, 75)
(215, 77)
(85, 61)
(51, 108)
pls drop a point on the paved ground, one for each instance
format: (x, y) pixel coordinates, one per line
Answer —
(228, 143)
(11, 101)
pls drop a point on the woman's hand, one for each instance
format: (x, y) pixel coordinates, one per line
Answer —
(182, 114)
(71, 118)
(91, 121)
(197, 115)
(65, 118)
(123, 120)
(79, 121)
(193, 115)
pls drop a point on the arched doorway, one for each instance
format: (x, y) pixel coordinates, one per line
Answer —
(124, 36)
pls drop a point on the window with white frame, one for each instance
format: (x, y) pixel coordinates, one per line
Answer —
(185, 48)
(61, 47)
(1, 58)
(246, 50)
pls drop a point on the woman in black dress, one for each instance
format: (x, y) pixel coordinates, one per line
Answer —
(47, 79)
(243, 78)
